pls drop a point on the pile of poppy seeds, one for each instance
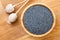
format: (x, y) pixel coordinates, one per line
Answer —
(38, 19)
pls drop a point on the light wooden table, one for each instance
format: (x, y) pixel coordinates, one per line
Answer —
(16, 32)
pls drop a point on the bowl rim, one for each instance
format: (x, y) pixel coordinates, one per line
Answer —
(41, 35)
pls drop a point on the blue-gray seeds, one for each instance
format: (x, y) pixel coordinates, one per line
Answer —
(38, 19)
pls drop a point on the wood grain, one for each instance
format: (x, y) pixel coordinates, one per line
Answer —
(16, 32)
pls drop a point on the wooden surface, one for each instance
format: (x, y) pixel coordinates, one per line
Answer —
(16, 32)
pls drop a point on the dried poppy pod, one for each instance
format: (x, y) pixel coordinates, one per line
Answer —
(10, 7)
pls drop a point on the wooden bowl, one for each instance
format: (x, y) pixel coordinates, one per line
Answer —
(41, 35)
